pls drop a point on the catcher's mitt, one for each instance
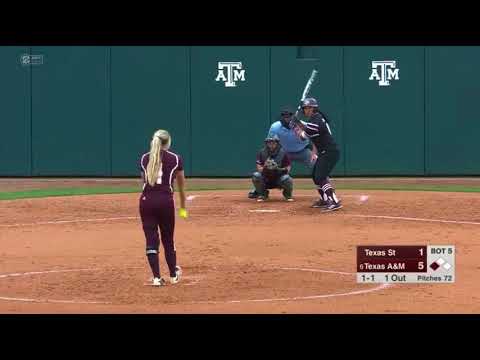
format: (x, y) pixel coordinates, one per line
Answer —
(270, 164)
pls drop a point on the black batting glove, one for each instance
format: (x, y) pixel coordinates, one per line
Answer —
(294, 121)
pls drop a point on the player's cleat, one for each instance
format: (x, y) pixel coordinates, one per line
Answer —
(332, 207)
(287, 195)
(178, 274)
(253, 194)
(158, 282)
(320, 204)
(263, 197)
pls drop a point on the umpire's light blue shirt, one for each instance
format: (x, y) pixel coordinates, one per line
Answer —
(289, 141)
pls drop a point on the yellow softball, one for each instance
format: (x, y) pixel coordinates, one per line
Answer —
(183, 213)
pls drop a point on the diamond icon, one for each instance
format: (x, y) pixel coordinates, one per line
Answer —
(447, 266)
(434, 266)
(440, 261)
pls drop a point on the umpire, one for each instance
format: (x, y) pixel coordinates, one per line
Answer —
(298, 150)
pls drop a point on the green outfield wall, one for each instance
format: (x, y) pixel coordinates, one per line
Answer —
(91, 110)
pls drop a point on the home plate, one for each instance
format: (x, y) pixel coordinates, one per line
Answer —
(264, 211)
(363, 198)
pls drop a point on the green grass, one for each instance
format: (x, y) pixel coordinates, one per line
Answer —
(40, 193)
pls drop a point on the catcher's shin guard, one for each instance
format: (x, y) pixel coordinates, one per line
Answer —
(258, 183)
(286, 183)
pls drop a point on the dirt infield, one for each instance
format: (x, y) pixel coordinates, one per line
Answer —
(85, 254)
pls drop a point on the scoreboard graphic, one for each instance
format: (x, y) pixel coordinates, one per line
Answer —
(406, 264)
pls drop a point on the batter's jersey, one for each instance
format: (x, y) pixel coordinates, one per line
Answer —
(288, 139)
(318, 130)
(171, 163)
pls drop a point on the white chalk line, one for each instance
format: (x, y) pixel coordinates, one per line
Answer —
(245, 196)
(362, 197)
(259, 210)
(195, 280)
(316, 270)
(414, 219)
(190, 198)
(312, 297)
(49, 300)
(56, 222)
(52, 301)
(43, 272)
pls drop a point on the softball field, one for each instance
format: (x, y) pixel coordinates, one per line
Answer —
(86, 253)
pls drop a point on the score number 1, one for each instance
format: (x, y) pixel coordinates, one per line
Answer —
(420, 263)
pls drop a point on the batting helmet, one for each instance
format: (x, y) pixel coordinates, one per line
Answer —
(310, 102)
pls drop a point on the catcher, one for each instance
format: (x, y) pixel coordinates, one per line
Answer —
(273, 167)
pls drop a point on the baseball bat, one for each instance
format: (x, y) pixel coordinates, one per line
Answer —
(308, 86)
(296, 125)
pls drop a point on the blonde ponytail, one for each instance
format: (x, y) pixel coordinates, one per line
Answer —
(161, 141)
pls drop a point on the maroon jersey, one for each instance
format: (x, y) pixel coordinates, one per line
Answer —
(171, 163)
(280, 157)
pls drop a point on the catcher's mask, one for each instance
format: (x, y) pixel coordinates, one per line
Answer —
(273, 138)
(272, 143)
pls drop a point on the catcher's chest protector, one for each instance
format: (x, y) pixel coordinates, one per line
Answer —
(278, 157)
